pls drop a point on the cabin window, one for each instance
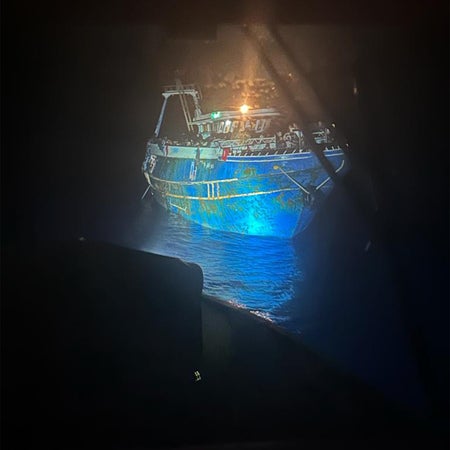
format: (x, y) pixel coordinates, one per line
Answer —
(235, 125)
(221, 125)
(227, 126)
(259, 125)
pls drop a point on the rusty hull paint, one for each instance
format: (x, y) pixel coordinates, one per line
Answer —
(247, 196)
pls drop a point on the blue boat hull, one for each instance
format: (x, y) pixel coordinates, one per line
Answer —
(269, 195)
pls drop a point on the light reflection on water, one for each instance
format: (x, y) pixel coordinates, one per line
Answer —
(338, 297)
(257, 273)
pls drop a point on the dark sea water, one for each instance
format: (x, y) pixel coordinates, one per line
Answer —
(328, 288)
(260, 274)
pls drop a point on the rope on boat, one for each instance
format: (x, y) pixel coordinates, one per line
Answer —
(328, 179)
(145, 193)
(293, 180)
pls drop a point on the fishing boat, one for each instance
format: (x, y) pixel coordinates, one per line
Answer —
(241, 170)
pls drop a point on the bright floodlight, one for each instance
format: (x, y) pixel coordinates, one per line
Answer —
(244, 109)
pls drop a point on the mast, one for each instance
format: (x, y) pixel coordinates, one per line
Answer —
(182, 92)
(184, 105)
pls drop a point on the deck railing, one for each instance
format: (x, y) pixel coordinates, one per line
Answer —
(234, 143)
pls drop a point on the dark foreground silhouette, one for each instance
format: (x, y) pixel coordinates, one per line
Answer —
(109, 347)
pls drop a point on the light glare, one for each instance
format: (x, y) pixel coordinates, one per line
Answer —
(244, 109)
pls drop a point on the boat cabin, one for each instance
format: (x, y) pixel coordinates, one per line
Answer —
(238, 128)
(235, 124)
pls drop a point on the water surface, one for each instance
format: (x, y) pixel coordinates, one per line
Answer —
(257, 273)
(327, 287)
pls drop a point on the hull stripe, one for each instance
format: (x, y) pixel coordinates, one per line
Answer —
(189, 183)
(249, 194)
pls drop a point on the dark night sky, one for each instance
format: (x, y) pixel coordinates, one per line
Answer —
(79, 106)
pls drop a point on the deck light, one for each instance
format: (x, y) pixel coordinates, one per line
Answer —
(244, 109)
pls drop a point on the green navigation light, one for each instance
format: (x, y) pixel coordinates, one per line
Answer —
(215, 115)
